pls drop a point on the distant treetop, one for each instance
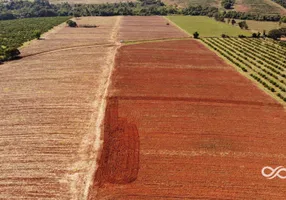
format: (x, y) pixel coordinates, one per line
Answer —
(42, 8)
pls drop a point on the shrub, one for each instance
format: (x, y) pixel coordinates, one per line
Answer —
(241, 36)
(277, 33)
(233, 22)
(254, 35)
(227, 4)
(11, 53)
(37, 34)
(71, 23)
(224, 36)
(243, 25)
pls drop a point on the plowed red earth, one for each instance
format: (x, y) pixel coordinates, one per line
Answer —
(204, 131)
(148, 28)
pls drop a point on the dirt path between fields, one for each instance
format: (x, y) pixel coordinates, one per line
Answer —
(69, 48)
(89, 189)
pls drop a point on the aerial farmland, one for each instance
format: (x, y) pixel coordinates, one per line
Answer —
(204, 112)
(140, 107)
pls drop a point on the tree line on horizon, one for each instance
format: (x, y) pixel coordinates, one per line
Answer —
(42, 8)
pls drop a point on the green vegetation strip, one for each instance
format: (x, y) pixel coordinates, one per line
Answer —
(257, 60)
(206, 27)
(259, 66)
(260, 50)
(13, 33)
(274, 48)
(248, 57)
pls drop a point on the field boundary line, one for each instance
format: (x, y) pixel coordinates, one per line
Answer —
(174, 24)
(196, 100)
(89, 190)
(70, 48)
(131, 42)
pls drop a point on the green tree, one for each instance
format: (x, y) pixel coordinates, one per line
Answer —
(71, 23)
(277, 33)
(219, 17)
(233, 22)
(227, 4)
(258, 34)
(11, 53)
(243, 25)
(224, 36)
(196, 35)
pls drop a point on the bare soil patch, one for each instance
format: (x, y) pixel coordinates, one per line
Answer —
(241, 8)
(148, 28)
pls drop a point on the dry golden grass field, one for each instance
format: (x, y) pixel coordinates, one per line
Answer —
(51, 104)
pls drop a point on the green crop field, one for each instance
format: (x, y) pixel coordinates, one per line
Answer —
(262, 60)
(13, 33)
(207, 27)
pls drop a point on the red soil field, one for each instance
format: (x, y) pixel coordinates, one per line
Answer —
(193, 54)
(148, 28)
(204, 131)
(118, 167)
